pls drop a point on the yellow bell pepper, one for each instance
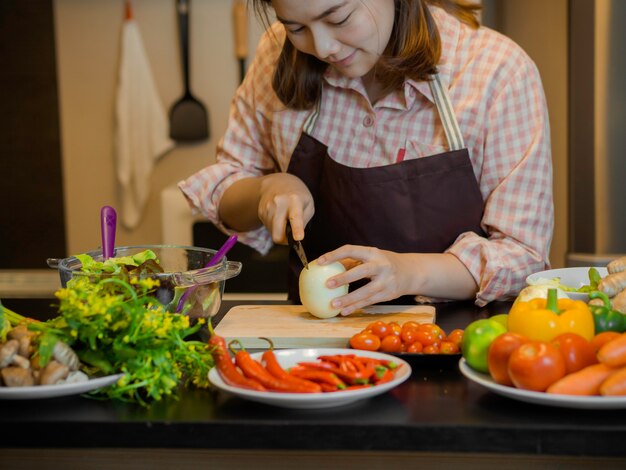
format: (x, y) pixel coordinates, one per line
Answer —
(544, 319)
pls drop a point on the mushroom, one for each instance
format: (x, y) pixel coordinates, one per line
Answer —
(21, 361)
(17, 377)
(7, 351)
(19, 331)
(53, 372)
(25, 349)
(65, 355)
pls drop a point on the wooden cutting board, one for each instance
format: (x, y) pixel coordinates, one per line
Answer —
(292, 326)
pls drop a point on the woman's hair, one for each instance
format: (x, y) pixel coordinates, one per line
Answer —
(413, 51)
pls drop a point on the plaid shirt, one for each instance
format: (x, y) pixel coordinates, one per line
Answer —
(498, 99)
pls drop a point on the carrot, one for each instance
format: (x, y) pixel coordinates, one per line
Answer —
(586, 381)
(601, 339)
(615, 384)
(613, 353)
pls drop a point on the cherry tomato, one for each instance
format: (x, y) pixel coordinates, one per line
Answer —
(391, 343)
(415, 347)
(435, 330)
(448, 347)
(395, 328)
(425, 337)
(410, 324)
(408, 335)
(498, 356)
(576, 350)
(365, 341)
(431, 349)
(379, 328)
(456, 336)
(536, 365)
(601, 339)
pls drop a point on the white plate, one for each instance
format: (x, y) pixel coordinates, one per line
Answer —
(570, 277)
(541, 398)
(290, 357)
(61, 390)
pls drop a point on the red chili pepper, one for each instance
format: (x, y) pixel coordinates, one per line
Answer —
(274, 368)
(225, 367)
(329, 388)
(387, 376)
(319, 376)
(352, 377)
(253, 369)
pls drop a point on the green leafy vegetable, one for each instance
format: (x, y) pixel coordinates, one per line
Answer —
(594, 279)
(117, 326)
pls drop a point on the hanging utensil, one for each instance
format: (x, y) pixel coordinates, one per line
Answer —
(240, 24)
(108, 225)
(189, 120)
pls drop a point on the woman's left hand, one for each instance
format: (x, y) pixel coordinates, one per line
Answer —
(389, 274)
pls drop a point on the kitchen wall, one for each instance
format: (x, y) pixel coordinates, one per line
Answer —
(88, 34)
(88, 50)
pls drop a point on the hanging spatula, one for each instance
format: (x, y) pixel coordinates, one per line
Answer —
(189, 120)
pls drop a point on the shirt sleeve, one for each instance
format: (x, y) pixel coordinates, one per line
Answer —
(516, 183)
(245, 149)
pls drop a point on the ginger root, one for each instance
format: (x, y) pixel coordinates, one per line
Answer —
(613, 284)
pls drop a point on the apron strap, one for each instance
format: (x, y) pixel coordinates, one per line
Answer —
(310, 122)
(446, 114)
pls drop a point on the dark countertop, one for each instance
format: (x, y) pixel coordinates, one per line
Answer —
(436, 410)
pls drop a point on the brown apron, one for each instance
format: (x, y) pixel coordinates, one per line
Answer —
(416, 206)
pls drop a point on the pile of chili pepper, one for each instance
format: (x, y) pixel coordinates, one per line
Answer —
(327, 374)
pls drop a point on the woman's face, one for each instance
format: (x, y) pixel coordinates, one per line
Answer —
(350, 35)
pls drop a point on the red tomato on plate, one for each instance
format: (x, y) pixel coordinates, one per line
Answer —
(536, 365)
(576, 350)
(498, 355)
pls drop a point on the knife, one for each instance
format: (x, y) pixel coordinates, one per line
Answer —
(297, 246)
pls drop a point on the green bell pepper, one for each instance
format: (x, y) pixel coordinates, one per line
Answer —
(604, 317)
(477, 338)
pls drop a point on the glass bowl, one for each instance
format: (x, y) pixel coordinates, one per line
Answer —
(185, 276)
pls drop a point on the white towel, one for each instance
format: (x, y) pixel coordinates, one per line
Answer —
(142, 130)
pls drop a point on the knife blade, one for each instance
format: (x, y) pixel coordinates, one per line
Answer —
(297, 246)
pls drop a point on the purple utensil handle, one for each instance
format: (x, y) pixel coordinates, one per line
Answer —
(216, 258)
(108, 224)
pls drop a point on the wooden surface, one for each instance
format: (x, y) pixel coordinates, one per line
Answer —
(291, 326)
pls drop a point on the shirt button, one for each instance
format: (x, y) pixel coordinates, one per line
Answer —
(368, 121)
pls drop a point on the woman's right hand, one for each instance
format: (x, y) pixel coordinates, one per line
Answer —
(284, 198)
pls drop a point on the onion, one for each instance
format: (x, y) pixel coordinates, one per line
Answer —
(314, 294)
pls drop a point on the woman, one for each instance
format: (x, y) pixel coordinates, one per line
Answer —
(395, 136)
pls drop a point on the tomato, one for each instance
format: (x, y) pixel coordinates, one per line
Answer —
(379, 328)
(476, 340)
(431, 349)
(601, 339)
(498, 356)
(425, 337)
(410, 324)
(408, 335)
(365, 341)
(456, 336)
(391, 343)
(435, 330)
(576, 350)
(448, 347)
(395, 328)
(536, 365)
(416, 347)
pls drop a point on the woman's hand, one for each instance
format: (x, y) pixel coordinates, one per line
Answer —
(392, 275)
(284, 197)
